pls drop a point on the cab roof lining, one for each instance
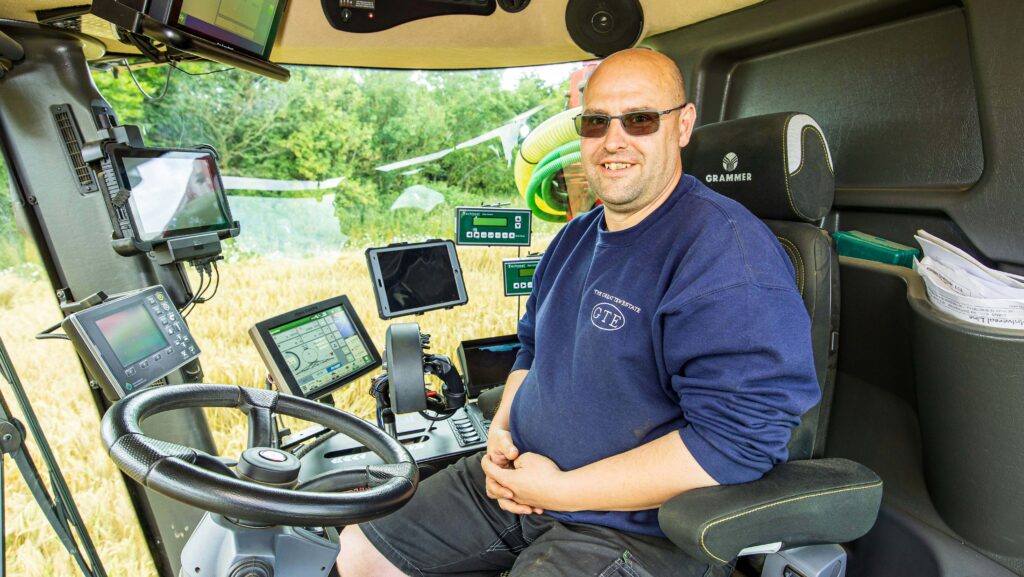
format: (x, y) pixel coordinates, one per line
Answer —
(537, 35)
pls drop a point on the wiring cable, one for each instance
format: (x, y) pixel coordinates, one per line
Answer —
(188, 306)
(47, 333)
(183, 71)
(147, 95)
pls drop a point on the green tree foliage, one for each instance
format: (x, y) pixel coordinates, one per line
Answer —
(12, 245)
(328, 122)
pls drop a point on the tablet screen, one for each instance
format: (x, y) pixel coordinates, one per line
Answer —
(416, 278)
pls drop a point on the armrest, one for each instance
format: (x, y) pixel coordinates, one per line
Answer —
(489, 400)
(800, 503)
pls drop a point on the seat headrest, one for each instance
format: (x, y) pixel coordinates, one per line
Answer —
(776, 165)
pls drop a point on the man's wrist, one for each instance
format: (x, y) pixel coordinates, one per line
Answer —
(567, 493)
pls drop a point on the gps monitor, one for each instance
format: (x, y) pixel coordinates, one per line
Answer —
(246, 25)
(415, 278)
(239, 33)
(167, 193)
(131, 341)
(314, 350)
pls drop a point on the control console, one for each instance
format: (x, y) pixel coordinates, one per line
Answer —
(433, 444)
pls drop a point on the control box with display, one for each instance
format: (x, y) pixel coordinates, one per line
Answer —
(129, 342)
(518, 275)
(492, 226)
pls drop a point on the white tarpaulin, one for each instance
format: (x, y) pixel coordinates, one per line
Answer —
(269, 184)
(967, 289)
(507, 133)
(290, 227)
(418, 196)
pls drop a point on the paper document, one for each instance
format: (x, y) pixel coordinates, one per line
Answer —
(963, 287)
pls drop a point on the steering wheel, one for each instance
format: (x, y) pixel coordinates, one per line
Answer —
(204, 481)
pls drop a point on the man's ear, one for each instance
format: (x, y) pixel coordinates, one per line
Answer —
(687, 117)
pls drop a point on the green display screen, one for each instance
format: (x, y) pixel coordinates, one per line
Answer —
(526, 272)
(245, 24)
(133, 334)
(322, 349)
(489, 221)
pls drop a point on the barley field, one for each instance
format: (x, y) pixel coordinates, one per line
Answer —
(250, 290)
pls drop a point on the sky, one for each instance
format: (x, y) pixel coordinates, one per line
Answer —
(552, 74)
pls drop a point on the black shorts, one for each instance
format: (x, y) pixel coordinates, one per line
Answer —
(451, 527)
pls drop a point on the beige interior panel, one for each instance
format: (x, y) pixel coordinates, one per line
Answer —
(537, 35)
(26, 9)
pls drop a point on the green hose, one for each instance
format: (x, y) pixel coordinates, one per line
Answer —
(545, 172)
(566, 149)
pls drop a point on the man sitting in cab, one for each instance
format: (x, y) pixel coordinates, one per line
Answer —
(665, 348)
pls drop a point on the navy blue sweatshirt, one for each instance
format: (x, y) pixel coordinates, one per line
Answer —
(689, 321)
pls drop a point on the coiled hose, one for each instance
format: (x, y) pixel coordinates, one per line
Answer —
(539, 151)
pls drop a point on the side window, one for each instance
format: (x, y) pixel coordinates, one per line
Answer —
(11, 245)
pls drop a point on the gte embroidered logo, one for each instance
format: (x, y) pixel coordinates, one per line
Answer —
(607, 317)
(730, 162)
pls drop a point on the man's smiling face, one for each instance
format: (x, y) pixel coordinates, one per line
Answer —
(627, 172)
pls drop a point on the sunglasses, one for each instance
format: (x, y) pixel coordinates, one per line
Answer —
(639, 123)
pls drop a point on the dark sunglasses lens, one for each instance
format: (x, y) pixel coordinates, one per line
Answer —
(592, 125)
(641, 123)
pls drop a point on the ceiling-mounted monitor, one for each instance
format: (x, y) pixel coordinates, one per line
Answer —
(238, 33)
(245, 25)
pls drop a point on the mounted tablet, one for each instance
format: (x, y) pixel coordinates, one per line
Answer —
(314, 350)
(248, 26)
(238, 33)
(159, 195)
(415, 278)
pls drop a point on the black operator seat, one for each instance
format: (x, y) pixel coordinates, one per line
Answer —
(780, 168)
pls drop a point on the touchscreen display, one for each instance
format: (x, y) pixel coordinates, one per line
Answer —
(174, 194)
(488, 366)
(245, 24)
(321, 349)
(132, 334)
(418, 278)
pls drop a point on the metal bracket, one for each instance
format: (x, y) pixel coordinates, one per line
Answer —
(11, 436)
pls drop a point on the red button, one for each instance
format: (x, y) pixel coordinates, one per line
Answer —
(275, 456)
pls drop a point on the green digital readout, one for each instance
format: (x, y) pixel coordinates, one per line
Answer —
(489, 221)
(492, 226)
(518, 275)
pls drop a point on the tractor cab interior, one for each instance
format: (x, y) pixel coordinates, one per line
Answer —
(879, 118)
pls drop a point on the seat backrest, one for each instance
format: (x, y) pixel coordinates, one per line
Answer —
(780, 168)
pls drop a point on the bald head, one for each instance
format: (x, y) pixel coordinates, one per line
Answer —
(655, 67)
(637, 101)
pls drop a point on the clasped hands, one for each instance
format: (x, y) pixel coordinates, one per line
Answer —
(522, 484)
